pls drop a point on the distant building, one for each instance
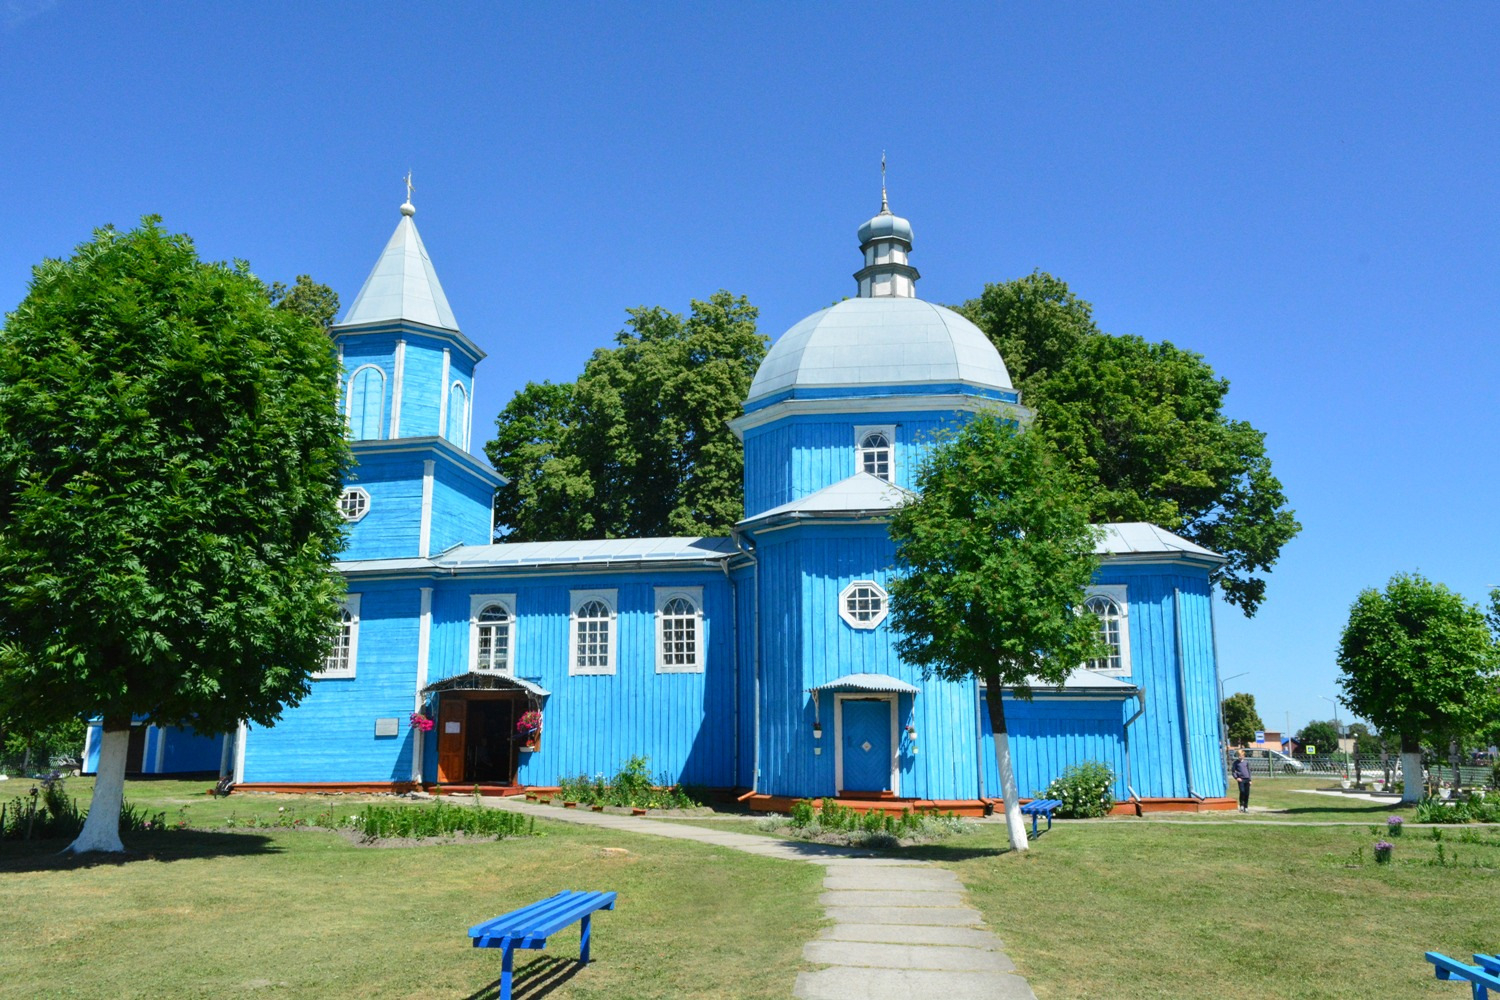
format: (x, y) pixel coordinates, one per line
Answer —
(762, 661)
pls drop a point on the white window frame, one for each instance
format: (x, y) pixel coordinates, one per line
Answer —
(1116, 592)
(610, 600)
(850, 619)
(665, 596)
(349, 403)
(364, 509)
(477, 603)
(463, 418)
(351, 605)
(860, 433)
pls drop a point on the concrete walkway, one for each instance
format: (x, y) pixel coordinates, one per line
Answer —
(899, 928)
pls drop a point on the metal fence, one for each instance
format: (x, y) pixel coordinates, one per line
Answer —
(1366, 768)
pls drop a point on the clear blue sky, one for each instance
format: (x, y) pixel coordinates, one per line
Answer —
(1304, 193)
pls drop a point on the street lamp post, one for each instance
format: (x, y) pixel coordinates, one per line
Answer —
(1338, 727)
(1223, 726)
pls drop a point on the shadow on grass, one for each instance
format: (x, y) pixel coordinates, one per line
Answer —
(951, 852)
(536, 978)
(167, 845)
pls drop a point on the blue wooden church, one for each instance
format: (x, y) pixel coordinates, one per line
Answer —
(761, 662)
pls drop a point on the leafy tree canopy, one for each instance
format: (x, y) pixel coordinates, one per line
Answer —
(1322, 736)
(1143, 427)
(1366, 742)
(171, 454)
(317, 302)
(994, 555)
(640, 444)
(1419, 661)
(1241, 720)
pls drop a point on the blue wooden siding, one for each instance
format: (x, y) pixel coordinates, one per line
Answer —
(805, 643)
(187, 750)
(799, 455)
(461, 506)
(744, 582)
(1051, 733)
(380, 352)
(421, 387)
(392, 527)
(682, 722)
(330, 736)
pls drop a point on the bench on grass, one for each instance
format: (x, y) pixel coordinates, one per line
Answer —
(1482, 976)
(530, 926)
(1037, 808)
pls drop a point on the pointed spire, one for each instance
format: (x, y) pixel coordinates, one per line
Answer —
(403, 284)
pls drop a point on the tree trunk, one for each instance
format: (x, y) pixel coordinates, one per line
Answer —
(1411, 770)
(1014, 825)
(101, 830)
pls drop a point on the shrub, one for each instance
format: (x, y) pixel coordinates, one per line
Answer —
(441, 820)
(1084, 790)
(631, 787)
(46, 811)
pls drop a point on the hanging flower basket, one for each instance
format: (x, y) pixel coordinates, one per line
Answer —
(529, 730)
(421, 723)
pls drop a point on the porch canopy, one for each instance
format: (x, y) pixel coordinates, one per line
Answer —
(476, 680)
(870, 683)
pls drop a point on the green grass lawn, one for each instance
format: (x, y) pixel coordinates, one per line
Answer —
(1218, 905)
(214, 913)
(1131, 909)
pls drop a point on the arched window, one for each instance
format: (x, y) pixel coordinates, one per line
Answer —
(1108, 612)
(493, 651)
(458, 415)
(593, 638)
(679, 630)
(345, 646)
(863, 604)
(875, 452)
(365, 404)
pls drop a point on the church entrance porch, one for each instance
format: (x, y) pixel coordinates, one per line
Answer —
(476, 737)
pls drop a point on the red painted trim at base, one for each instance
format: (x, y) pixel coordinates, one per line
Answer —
(975, 808)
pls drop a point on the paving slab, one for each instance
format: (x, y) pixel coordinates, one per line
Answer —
(950, 958)
(905, 984)
(969, 937)
(889, 897)
(936, 916)
(927, 879)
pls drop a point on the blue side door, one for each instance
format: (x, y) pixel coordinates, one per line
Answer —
(867, 746)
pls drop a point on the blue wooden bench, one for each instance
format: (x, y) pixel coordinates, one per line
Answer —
(1037, 808)
(530, 926)
(1482, 976)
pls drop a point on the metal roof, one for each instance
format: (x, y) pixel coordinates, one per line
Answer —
(880, 342)
(883, 683)
(1083, 681)
(476, 680)
(1140, 538)
(860, 492)
(402, 285)
(602, 550)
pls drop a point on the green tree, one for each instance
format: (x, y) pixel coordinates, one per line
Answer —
(1419, 661)
(31, 749)
(1241, 720)
(1366, 743)
(171, 454)
(993, 556)
(316, 301)
(640, 444)
(1143, 426)
(1322, 736)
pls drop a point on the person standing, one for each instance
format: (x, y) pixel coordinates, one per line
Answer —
(1240, 771)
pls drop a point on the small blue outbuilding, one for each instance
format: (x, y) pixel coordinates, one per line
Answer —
(763, 661)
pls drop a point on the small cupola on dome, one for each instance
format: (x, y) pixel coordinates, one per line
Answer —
(885, 241)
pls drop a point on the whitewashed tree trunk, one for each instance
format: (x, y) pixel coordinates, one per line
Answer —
(1411, 777)
(101, 830)
(1015, 826)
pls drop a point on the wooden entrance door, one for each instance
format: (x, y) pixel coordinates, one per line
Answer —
(452, 721)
